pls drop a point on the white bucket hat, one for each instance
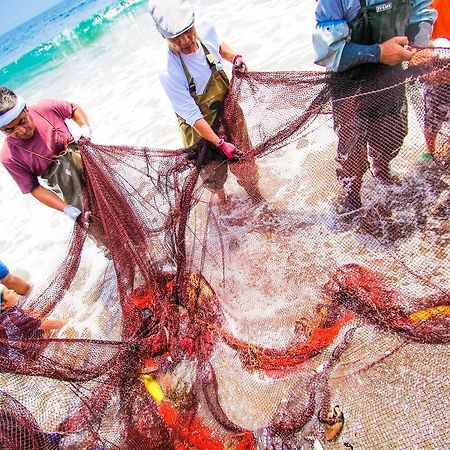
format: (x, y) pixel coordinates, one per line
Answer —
(172, 17)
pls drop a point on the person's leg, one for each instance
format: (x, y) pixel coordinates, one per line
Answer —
(387, 129)
(434, 115)
(351, 156)
(214, 175)
(446, 148)
(246, 171)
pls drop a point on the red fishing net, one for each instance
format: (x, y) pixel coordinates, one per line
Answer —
(272, 325)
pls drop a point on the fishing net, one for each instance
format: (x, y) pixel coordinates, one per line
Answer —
(254, 325)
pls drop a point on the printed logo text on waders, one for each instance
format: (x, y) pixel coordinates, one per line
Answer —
(384, 7)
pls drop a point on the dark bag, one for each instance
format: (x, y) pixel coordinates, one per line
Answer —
(65, 175)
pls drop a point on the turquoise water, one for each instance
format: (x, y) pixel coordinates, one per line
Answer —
(45, 41)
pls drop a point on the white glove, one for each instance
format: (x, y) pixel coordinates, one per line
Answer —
(438, 44)
(86, 131)
(441, 42)
(72, 212)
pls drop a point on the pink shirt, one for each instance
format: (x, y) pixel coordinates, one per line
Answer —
(48, 140)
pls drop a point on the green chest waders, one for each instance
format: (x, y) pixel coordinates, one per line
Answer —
(210, 101)
(215, 170)
(375, 24)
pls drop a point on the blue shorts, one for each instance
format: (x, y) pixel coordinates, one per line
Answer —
(3, 271)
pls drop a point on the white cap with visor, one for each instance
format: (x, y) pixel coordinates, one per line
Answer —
(171, 17)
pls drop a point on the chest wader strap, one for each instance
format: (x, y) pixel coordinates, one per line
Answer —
(209, 58)
(209, 102)
(364, 13)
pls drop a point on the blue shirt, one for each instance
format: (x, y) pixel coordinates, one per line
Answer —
(4, 271)
(332, 32)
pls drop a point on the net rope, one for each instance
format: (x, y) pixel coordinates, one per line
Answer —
(245, 326)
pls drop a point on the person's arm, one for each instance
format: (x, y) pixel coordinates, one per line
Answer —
(330, 33)
(337, 53)
(356, 54)
(68, 110)
(80, 116)
(393, 51)
(234, 58)
(51, 324)
(421, 23)
(229, 150)
(226, 52)
(16, 283)
(418, 33)
(48, 198)
(204, 130)
(81, 119)
(332, 48)
(175, 85)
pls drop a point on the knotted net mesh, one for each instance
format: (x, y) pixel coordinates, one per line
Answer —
(278, 324)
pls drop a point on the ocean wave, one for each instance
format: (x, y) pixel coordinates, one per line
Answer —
(66, 43)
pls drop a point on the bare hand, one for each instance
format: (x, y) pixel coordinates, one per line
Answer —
(393, 51)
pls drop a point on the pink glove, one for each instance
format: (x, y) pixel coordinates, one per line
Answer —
(239, 64)
(229, 150)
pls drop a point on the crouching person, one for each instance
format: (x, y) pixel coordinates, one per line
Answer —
(16, 324)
